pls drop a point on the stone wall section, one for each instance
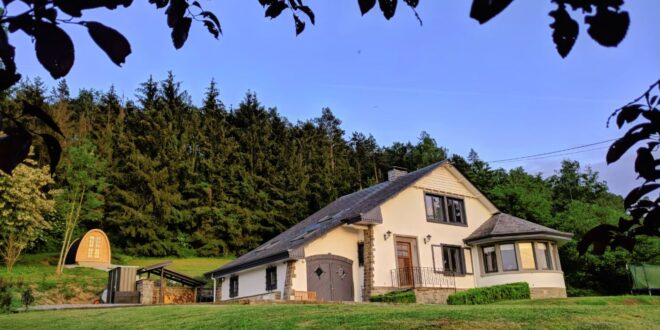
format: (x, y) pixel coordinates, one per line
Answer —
(146, 289)
(368, 285)
(543, 293)
(289, 293)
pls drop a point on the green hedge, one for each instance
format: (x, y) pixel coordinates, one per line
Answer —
(487, 295)
(401, 297)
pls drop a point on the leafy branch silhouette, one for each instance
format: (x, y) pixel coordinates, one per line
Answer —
(644, 212)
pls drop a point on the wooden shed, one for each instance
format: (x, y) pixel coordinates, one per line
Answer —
(92, 250)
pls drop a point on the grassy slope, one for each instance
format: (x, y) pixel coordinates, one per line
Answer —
(83, 285)
(195, 267)
(78, 285)
(618, 313)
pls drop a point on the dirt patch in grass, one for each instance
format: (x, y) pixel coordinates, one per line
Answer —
(451, 324)
(631, 301)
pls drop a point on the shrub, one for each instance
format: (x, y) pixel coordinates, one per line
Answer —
(27, 298)
(5, 296)
(487, 295)
(401, 297)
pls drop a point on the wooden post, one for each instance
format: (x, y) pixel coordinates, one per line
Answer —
(162, 285)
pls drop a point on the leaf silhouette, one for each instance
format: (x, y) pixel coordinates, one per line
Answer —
(628, 114)
(607, 27)
(565, 31)
(14, 148)
(412, 3)
(366, 5)
(275, 9)
(484, 10)
(180, 32)
(599, 236)
(113, 43)
(54, 49)
(308, 11)
(31, 110)
(54, 150)
(388, 7)
(645, 164)
(639, 192)
(300, 25)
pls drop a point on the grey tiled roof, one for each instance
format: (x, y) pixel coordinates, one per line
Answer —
(346, 209)
(502, 224)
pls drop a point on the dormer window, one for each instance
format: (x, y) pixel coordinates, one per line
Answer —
(443, 209)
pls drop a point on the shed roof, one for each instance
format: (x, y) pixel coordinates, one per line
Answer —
(505, 225)
(161, 269)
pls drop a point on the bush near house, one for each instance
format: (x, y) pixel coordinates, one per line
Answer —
(400, 297)
(491, 294)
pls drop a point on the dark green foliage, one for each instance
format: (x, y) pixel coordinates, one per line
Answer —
(490, 294)
(5, 295)
(399, 297)
(27, 298)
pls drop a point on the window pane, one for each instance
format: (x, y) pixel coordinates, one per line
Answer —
(451, 210)
(468, 261)
(438, 205)
(527, 255)
(543, 256)
(509, 261)
(458, 265)
(446, 260)
(490, 260)
(428, 200)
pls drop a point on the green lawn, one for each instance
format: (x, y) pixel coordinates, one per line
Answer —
(582, 313)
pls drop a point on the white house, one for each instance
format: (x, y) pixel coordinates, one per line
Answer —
(430, 230)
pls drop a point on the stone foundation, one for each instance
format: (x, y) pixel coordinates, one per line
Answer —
(433, 295)
(422, 295)
(543, 293)
(378, 290)
(276, 295)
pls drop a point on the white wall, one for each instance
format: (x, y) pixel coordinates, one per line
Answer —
(341, 241)
(405, 215)
(252, 282)
(534, 279)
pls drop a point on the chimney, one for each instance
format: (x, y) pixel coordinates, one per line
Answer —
(395, 173)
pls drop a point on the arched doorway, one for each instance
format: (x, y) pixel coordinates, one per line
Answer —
(331, 277)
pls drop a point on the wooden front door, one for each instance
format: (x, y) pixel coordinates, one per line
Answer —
(404, 263)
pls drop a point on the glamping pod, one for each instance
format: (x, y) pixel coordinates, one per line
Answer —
(92, 250)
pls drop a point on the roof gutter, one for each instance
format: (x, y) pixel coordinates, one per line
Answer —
(518, 236)
(242, 266)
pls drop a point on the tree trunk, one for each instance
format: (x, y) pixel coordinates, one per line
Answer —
(12, 252)
(70, 225)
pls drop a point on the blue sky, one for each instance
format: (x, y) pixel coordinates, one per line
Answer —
(499, 88)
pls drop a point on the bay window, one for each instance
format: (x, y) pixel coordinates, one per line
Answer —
(490, 259)
(519, 256)
(509, 259)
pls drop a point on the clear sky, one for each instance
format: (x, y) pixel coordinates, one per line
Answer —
(499, 88)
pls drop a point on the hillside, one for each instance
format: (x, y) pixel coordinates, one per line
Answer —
(84, 285)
